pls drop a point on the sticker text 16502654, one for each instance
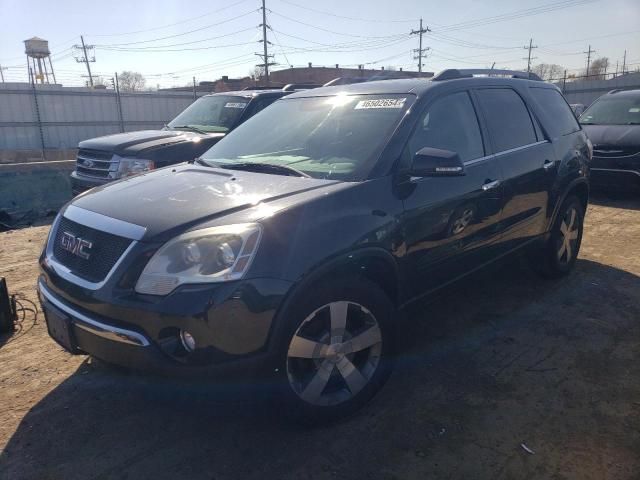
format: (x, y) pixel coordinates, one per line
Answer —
(380, 103)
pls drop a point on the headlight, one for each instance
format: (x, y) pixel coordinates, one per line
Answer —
(133, 166)
(216, 254)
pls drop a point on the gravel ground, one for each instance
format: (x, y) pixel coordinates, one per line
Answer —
(516, 377)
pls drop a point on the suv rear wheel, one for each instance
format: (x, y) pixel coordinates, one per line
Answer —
(559, 254)
(337, 350)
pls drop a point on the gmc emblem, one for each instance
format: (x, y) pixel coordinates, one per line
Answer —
(76, 245)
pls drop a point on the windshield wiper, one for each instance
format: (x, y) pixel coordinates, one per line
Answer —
(265, 168)
(190, 127)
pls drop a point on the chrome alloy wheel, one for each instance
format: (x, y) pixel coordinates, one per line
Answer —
(334, 353)
(568, 238)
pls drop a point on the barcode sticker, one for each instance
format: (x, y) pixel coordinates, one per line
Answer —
(381, 103)
(235, 105)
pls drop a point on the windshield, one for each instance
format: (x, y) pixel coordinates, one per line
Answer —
(216, 113)
(612, 110)
(338, 137)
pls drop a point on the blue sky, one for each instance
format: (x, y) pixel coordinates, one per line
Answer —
(170, 42)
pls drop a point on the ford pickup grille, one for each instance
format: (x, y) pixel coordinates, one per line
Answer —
(96, 163)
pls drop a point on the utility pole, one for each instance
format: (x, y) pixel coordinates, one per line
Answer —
(529, 57)
(265, 55)
(420, 52)
(624, 62)
(85, 58)
(2, 74)
(589, 52)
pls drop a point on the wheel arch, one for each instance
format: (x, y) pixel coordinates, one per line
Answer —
(578, 187)
(375, 264)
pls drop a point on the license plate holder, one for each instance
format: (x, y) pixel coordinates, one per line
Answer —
(59, 327)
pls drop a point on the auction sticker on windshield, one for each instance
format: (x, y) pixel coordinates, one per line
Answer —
(235, 105)
(381, 103)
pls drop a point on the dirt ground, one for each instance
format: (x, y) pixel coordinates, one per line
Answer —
(488, 368)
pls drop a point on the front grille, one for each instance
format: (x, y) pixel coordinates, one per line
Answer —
(105, 250)
(613, 151)
(95, 163)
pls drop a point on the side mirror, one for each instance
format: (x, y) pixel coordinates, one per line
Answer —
(433, 162)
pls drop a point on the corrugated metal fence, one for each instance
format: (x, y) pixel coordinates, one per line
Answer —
(50, 117)
(587, 91)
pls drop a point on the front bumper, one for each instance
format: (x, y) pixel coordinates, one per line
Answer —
(82, 183)
(620, 173)
(147, 341)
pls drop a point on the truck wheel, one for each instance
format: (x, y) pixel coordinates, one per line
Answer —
(337, 350)
(559, 254)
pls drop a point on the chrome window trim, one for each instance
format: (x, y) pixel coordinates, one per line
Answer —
(97, 221)
(504, 152)
(94, 326)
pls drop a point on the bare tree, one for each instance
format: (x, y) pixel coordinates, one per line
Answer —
(131, 81)
(548, 71)
(598, 69)
(256, 74)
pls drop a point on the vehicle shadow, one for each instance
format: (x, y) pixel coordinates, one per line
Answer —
(623, 200)
(485, 366)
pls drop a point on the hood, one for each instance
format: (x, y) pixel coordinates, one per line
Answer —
(132, 143)
(176, 198)
(613, 135)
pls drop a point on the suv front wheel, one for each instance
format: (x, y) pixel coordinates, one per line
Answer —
(338, 347)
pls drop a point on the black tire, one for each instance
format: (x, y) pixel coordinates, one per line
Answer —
(308, 317)
(557, 258)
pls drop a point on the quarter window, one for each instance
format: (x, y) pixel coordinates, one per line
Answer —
(507, 117)
(450, 123)
(555, 112)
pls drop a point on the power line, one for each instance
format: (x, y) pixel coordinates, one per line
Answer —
(180, 34)
(171, 24)
(151, 47)
(515, 15)
(344, 16)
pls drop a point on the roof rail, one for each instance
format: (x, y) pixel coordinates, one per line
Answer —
(290, 87)
(345, 81)
(260, 88)
(453, 73)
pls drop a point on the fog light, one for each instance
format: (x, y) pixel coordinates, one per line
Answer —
(188, 342)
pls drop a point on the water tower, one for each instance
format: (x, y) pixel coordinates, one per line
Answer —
(37, 50)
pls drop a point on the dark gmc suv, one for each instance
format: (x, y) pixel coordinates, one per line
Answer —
(289, 248)
(201, 125)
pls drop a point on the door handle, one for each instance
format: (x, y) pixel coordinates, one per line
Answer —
(548, 164)
(490, 185)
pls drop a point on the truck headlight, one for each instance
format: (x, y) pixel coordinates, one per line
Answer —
(133, 166)
(216, 254)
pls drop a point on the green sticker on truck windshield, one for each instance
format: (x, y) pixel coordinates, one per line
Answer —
(235, 105)
(380, 103)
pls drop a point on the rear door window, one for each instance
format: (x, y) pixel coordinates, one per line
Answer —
(555, 113)
(507, 117)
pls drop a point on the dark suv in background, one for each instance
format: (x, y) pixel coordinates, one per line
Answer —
(202, 124)
(289, 248)
(613, 125)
